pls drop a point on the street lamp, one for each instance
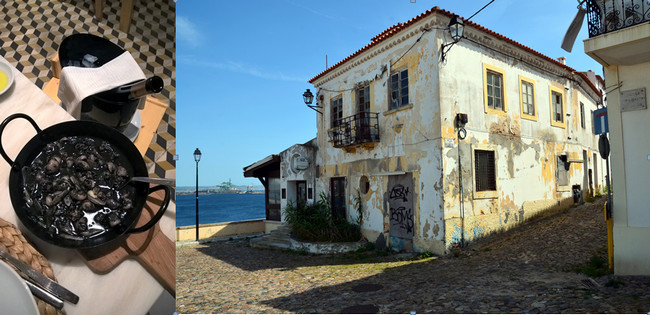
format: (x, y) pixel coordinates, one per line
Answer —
(308, 97)
(456, 27)
(197, 158)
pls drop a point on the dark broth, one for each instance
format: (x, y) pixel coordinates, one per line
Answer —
(75, 187)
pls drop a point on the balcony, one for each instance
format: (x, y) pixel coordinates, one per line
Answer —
(356, 129)
(619, 31)
(604, 16)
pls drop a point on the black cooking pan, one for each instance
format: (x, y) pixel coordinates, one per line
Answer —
(135, 167)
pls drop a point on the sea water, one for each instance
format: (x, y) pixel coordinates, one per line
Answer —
(218, 208)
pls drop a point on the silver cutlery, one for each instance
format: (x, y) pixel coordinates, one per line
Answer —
(151, 180)
(44, 295)
(44, 282)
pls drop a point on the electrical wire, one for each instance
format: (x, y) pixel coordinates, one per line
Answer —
(424, 31)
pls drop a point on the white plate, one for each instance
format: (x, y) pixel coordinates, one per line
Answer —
(16, 297)
(8, 70)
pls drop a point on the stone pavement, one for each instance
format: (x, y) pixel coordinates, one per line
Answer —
(527, 270)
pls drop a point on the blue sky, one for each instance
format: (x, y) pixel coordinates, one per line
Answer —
(242, 66)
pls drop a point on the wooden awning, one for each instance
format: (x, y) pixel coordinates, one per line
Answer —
(264, 167)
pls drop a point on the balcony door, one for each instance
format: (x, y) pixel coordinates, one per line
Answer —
(362, 119)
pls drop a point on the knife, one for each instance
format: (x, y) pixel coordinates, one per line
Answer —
(44, 295)
(154, 180)
(46, 283)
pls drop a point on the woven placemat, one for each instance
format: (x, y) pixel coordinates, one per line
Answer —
(20, 248)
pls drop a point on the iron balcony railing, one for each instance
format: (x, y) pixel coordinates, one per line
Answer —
(356, 129)
(604, 16)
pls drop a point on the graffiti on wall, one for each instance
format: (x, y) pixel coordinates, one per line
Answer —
(400, 203)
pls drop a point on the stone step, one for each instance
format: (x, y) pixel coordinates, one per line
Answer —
(277, 239)
(282, 229)
(280, 234)
(266, 242)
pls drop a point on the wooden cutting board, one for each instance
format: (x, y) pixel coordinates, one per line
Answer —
(152, 249)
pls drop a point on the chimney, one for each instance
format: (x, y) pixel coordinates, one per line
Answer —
(562, 60)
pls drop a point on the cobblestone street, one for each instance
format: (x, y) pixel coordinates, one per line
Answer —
(531, 269)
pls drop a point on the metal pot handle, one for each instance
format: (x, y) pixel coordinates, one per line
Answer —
(2, 128)
(158, 215)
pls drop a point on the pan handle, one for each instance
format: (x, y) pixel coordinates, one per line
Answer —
(159, 214)
(5, 123)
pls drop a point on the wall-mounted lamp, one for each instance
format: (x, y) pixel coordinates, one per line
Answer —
(308, 97)
(456, 28)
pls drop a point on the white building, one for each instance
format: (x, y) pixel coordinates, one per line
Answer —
(388, 131)
(620, 41)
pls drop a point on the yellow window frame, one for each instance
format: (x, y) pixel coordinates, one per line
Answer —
(560, 91)
(523, 79)
(488, 110)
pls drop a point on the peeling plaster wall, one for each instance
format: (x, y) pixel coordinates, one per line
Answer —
(290, 174)
(420, 139)
(409, 137)
(525, 149)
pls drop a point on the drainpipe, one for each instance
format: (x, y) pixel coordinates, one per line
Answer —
(460, 121)
(462, 207)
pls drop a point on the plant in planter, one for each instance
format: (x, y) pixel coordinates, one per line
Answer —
(315, 223)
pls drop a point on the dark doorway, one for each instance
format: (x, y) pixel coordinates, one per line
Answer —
(273, 199)
(301, 192)
(337, 189)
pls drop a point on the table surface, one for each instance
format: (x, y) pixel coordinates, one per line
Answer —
(127, 289)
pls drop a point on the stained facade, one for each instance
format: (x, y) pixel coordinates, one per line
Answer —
(389, 132)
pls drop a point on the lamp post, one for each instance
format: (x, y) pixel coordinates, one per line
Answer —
(197, 158)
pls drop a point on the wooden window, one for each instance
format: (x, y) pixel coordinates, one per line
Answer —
(556, 96)
(558, 113)
(399, 89)
(582, 115)
(485, 170)
(337, 111)
(527, 98)
(494, 90)
(363, 99)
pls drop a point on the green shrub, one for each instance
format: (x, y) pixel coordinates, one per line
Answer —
(315, 223)
(596, 267)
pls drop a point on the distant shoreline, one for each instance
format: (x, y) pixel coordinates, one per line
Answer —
(180, 193)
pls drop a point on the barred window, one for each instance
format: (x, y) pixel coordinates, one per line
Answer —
(485, 170)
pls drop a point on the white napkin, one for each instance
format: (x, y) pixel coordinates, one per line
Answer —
(77, 83)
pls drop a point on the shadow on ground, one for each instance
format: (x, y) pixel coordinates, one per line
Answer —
(239, 253)
(531, 269)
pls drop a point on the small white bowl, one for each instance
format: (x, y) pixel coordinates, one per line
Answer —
(8, 70)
